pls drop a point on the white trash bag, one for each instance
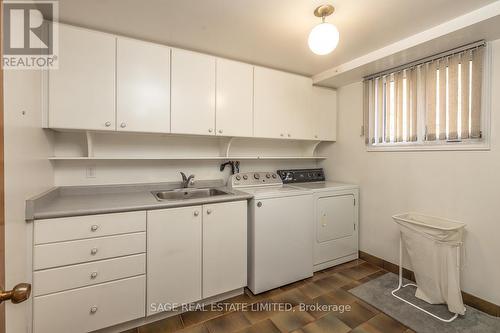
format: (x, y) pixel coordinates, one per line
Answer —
(433, 245)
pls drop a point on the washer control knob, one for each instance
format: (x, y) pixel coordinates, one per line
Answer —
(268, 175)
(238, 177)
(274, 176)
(256, 176)
(245, 177)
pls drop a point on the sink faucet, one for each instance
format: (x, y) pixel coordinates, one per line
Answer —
(186, 181)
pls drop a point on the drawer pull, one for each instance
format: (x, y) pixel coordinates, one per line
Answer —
(196, 213)
(94, 227)
(93, 309)
(209, 211)
(93, 275)
(93, 251)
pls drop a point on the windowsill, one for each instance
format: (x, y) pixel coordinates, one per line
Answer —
(441, 146)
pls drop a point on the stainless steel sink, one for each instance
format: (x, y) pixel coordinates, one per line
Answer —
(187, 193)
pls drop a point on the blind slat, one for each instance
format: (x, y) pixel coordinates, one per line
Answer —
(465, 58)
(366, 96)
(453, 97)
(442, 98)
(371, 111)
(412, 116)
(380, 111)
(477, 78)
(430, 101)
(398, 89)
(387, 111)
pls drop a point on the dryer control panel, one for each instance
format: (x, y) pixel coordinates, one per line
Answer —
(302, 175)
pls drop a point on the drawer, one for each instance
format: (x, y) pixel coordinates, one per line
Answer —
(69, 277)
(90, 308)
(85, 250)
(89, 226)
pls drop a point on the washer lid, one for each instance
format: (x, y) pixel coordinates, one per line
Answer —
(274, 192)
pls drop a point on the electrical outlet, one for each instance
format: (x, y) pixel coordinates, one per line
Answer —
(90, 171)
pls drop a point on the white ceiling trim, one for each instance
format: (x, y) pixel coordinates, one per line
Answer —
(461, 22)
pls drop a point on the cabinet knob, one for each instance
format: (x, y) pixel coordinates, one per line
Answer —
(220, 131)
(315, 136)
(107, 124)
(282, 134)
(209, 211)
(196, 213)
(289, 135)
(93, 251)
(259, 204)
(94, 227)
(93, 309)
(123, 125)
(93, 275)
(210, 130)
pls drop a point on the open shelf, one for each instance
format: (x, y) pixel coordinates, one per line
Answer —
(83, 158)
(93, 146)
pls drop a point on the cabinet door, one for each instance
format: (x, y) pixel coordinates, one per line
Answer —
(324, 104)
(234, 102)
(174, 257)
(193, 93)
(300, 122)
(281, 104)
(82, 90)
(269, 108)
(143, 86)
(224, 247)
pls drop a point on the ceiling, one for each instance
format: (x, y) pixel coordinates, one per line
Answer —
(270, 33)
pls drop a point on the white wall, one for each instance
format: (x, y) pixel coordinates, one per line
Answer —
(459, 185)
(129, 172)
(27, 172)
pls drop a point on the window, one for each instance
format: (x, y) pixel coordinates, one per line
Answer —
(436, 103)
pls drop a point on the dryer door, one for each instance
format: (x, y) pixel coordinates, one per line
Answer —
(335, 228)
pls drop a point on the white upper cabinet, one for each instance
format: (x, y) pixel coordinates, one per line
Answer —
(82, 90)
(234, 102)
(281, 105)
(143, 86)
(324, 111)
(193, 93)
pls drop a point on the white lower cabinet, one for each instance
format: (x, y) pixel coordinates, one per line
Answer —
(224, 247)
(195, 253)
(90, 308)
(174, 257)
(83, 283)
(88, 284)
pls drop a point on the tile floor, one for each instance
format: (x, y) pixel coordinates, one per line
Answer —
(327, 287)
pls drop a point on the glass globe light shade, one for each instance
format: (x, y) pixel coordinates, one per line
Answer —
(323, 38)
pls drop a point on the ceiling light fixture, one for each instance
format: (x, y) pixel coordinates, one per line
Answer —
(324, 37)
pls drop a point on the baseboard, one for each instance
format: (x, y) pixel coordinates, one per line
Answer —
(471, 300)
(335, 262)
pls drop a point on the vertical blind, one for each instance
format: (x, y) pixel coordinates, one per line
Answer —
(442, 94)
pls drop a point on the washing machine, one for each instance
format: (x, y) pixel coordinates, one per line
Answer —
(280, 235)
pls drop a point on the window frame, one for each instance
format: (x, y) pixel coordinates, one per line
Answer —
(481, 144)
